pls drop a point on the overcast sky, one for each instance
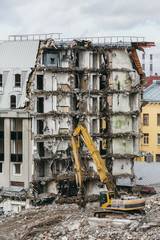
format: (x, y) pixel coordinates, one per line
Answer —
(85, 18)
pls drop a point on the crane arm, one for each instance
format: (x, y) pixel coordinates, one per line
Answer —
(104, 175)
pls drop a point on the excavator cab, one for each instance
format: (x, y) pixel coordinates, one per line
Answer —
(105, 198)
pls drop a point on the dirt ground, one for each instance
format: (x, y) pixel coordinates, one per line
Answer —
(68, 222)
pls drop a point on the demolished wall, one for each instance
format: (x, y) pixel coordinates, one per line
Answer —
(84, 83)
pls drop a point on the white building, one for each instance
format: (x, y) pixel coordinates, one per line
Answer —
(16, 60)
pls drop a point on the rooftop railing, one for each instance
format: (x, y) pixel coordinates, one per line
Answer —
(107, 40)
(27, 37)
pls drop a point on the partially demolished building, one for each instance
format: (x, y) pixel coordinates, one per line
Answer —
(95, 82)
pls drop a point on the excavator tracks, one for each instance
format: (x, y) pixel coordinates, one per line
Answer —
(116, 213)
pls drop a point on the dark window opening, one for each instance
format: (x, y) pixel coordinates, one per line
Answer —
(102, 147)
(75, 122)
(16, 135)
(13, 101)
(1, 149)
(17, 80)
(1, 81)
(2, 124)
(16, 140)
(2, 129)
(76, 81)
(40, 148)
(40, 82)
(40, 124)
(1, 167)
(75, 103)
(40, 105)
(77, 59)
(102, 82)
(52, 60)
(16, 157)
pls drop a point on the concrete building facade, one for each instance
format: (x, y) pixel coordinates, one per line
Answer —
(16, 60)
(84, 82)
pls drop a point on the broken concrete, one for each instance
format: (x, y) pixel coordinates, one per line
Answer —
(68, 222)
(82, 82)
(119, 223)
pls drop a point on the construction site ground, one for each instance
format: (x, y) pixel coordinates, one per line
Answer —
(69, 222)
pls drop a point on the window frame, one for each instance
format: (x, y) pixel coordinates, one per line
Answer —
(157, 156)
(1, 80)
(158, 119)
(145, 119)
(17, 80)
(14, 169)
(13, 103)
(2, 167)
(158, 139)
(146, 137)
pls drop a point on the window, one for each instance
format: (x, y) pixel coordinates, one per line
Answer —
(158, 139)
(40, 105)
(157, 157)
(94, 126)
(16, 140)
(158, 119)
(94, 60)
(102, 82)
(40, 126)
(52, 60)
(17, 184)
(13, 101)
(40, 148)
(145, 119)
(1, 81)
(17, 168)
(40, 82)
(94, 79)
(17, 80)
(1, 167)
(94, 106)
(146, 139)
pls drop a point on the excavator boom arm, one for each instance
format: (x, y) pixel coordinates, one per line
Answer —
(104, 175)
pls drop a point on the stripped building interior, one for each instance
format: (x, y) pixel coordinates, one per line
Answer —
(98, 84)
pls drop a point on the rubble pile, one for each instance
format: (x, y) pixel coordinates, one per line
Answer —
(69, 222)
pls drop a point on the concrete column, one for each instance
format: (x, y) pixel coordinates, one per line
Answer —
(5, 180)
(27, 155)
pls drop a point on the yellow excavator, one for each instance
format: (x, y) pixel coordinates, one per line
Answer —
(107, 198)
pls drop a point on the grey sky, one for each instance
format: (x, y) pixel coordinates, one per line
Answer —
(83, 18)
